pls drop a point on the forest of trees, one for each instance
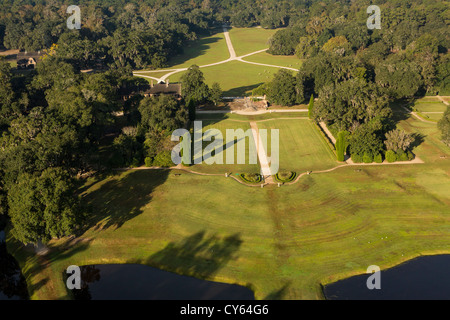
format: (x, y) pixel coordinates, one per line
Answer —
(55, 121)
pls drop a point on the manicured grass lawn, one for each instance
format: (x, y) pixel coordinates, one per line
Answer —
(302, 148)
(157, 75)
(430, 106)
(235, 78)
(260, 117)
(284, 61)
(287, 240)
(222, 126)
(201, 52)
(248, 40)
(281, 242)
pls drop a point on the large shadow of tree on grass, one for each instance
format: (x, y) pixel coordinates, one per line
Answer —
(121, 198)
(202, 46)
(198, 255)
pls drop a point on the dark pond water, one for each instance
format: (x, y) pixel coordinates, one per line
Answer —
(140, 282)
(12, 283)
(423, 278)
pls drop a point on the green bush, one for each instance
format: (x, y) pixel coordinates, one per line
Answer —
(163, 159)
(378, 158)
(391, 156)
(251, 177)
(356, 158)
(368, 157)
(410, 155)
(148, 162)
(402, 156)
(285, 176)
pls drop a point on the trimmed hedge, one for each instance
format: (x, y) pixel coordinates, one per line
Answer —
(251, 177)
(285, 176)
(378, 158)
(367, 158)
(391, 156)
(356, 158)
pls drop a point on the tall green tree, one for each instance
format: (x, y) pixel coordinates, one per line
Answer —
(194, 87)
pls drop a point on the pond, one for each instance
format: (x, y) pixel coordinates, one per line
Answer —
(423, 278)
(140, 282)
(12, 282)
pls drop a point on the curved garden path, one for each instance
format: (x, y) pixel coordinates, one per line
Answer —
(233, 57)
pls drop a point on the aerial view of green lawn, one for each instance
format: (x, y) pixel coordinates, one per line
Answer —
(90, 177)
(237, 78)
(294, 235)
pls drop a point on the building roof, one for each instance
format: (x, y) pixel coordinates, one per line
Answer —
(164, 88)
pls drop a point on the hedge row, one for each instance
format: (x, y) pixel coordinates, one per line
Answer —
(390, 156)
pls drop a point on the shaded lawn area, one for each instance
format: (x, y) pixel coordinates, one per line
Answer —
(260, 117)
(248, 40)
(235, 78)
(302, 148)
(291, 239)
(222, 126)
(287, 241)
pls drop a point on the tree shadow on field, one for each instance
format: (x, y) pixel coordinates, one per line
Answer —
(241, 91)
(121, 198)
(278, 294)
(198, 255)
(201, 45)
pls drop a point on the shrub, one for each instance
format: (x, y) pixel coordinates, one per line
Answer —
(402, 156)
(251, 177)
(163, 159)
(391, 156)
(367, 158)
(378, 158)
(285, 176)
(356, 158)
(135, 162)
(148, 162)
(410, 155)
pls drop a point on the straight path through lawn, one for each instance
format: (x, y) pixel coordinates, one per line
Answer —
(264, 162)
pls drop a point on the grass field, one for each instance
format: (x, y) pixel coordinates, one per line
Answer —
(235, 78)
(203, 51)
(283, 243)
(222, 126)
(260, 117)
(430, 106)
(301, 146)
(284, 61)
(248, 40)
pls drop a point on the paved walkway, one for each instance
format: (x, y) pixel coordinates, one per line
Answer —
(232, 57)
(262, 156)
(250, 113)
